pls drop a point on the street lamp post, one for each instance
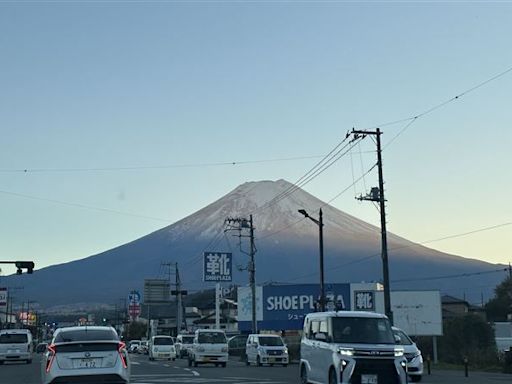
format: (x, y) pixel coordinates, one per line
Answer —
(320, 224)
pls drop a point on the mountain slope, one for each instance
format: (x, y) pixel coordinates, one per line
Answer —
(287, 252)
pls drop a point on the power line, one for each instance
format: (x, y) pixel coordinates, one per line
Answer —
(467, 274)
(149, 167)
(83, 206)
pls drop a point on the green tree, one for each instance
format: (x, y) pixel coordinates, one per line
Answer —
(136, 330)
(468, 336)
(500, 306)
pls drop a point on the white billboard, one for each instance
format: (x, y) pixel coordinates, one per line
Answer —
(418, 313)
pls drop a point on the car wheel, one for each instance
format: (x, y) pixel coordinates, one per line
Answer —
(258, 361)
(1, 362)
(247, 361)
(189, 362)
(224, 365)
(303, 375)
(29, 361)
(332, 376)
(416, 379)
(195, 362)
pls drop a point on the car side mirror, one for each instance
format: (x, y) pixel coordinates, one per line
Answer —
(320, 336)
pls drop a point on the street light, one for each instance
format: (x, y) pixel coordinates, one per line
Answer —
(320, 224)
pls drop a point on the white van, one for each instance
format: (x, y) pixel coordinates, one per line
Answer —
(266, 349)
(209, 346)
(16, 345)
(350, 347)
(161, 347)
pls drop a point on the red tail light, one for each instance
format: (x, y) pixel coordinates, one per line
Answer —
(53, 351)
(122, 350)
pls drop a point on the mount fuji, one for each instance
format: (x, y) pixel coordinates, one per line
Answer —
(287, 252)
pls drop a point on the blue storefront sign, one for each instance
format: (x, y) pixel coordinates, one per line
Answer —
(285, 306)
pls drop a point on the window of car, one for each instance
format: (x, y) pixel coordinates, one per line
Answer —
(404, 339)
(211, 338)
(270, 341)
(13, 338)
(85, 335)
(362, 330)
(163, 341)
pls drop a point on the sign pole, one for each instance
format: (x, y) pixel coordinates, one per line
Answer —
(217, 306)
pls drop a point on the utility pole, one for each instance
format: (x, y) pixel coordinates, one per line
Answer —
(241, 223)
(178, 292)
(377, 195)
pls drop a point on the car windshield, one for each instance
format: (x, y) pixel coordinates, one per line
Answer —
(163, 341)
(269, 341)
(187, 339)
(85, 335)
(362, 330)
(211, 338)
(13, 338)
(404, 339)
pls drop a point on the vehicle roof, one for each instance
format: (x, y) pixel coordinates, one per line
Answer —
(372, 315)
(15, 331)
(210, 330)
(264, 335)
(88, 327)
(167, 336)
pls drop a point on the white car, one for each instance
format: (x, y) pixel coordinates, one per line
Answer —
(412, 354)
(161, 347)
(92, 354)
(350, 347)
(266, 349)
(183, 343)
(209, 346)
(15, 345)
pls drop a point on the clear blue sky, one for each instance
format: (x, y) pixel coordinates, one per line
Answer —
(86, 84)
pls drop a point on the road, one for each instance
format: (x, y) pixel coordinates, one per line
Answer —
(165, 372)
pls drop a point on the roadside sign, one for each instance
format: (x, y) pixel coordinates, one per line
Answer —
(134, 297)
(3, 297)
(217, 266)
(134, 310)
(364, 300)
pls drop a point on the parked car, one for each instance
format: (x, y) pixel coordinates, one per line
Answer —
(86, 354)
(266, 349)
(236, 345)
(16, 345)
(144, 347)
(133, 346)
(209, 346)
(348, 346)
(183, 343)
(162, 347)
(412, 354)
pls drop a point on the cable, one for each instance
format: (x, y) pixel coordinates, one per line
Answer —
(450, 276)
(412, 119)
(137, 168)
(83, 206)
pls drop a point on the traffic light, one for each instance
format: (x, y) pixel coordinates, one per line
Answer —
(28, 265)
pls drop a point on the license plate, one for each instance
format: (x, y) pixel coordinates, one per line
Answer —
(272, 359)
(87, 363)
(369, 379)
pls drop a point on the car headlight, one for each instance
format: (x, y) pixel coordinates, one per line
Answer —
(399, 352)
(346, 351)
(285, 351)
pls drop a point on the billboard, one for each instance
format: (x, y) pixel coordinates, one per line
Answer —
(418, 313)
(217, 266)
(283, 307)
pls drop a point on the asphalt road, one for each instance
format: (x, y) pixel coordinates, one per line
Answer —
(165, 372)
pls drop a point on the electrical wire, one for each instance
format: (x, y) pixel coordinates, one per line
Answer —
(149, 167)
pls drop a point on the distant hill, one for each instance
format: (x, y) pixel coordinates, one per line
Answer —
(287, 252)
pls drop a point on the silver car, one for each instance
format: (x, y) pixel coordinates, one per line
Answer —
(411, 353)
(86, 355)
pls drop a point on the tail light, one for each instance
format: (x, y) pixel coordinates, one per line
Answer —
(122, 350)
(52, 350)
